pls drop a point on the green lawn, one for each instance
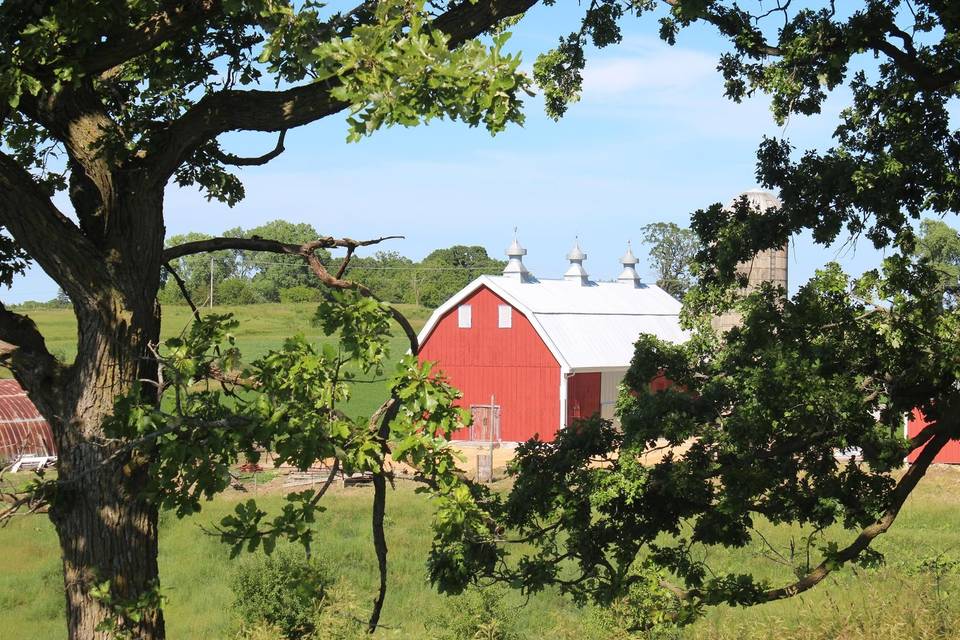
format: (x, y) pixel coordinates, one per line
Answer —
(896, 601)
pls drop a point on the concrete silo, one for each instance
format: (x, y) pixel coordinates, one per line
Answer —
(769, 265)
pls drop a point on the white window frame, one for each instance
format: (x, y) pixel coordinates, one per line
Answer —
(504, 316)
(464, 316)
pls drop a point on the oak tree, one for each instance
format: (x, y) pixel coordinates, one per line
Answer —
(112, 100)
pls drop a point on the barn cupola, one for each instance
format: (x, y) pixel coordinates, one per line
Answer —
(576, 272)
(515, 267)
(629, 274)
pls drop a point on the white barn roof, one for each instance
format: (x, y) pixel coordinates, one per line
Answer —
(586, 327)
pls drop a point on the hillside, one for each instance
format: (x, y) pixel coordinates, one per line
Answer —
(262, 327)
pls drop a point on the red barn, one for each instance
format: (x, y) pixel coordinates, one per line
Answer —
(22, 429)
(532, 355)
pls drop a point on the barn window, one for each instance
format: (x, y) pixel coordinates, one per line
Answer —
(464, 316)
(504, 316)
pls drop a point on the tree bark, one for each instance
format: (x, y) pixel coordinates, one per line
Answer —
(106, 526)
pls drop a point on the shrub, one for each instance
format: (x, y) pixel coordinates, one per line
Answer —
(299, 294)
(237, 291)
(285, 590)
(478, 614)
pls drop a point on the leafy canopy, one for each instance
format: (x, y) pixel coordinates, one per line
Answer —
(158, 71)
(755, 418)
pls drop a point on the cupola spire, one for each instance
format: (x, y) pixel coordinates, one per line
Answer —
(629, 274)
(515, 267)
(576, 272)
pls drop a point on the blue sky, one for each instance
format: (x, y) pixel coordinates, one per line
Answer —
(653, 139)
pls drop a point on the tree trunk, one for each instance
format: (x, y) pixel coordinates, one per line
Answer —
(106, 526)
(107, 529)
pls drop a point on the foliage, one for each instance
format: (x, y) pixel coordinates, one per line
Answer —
(478, 614)
(289, 406)
(672, 251)
(125, 613)
(112, 101)
(293, 295)
(756, 416)
(285, 589)
(238, 291)
(418, 75)
(939, 245)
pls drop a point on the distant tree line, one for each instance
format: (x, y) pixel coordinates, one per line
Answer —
(242, 278)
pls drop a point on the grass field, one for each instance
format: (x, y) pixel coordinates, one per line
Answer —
(900, 600)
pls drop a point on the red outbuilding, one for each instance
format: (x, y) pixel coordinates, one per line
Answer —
(950, 454)
(531, 355)
(22, 429)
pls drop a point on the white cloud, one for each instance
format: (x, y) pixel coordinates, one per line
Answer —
(654, 69)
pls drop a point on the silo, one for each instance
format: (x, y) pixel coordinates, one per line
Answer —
(769, 265)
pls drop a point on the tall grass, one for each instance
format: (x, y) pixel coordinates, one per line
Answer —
(906, 598)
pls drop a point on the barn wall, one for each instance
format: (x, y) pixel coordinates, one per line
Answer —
(583, 395)
(513, 365)
(950, 454)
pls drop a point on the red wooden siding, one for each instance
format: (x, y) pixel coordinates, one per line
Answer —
(950, 454)
(22, 428)
(513, 365)
(583, 396)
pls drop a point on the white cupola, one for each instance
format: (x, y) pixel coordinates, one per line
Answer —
(576, 272)
(515, 267)
(629, 274)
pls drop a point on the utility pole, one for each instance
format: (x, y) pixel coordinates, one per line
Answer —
(211, 282)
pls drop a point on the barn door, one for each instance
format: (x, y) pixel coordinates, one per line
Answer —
(485, 426)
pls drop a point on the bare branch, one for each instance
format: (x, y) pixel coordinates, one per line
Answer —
(25, 502)
(24, 351)
(238, 161)
(345, 263)
(267, 246)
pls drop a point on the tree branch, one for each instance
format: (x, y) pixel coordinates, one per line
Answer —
(254, 110)
(307, 251)
(268, 246)
(183, 290)
(170, 24)
(24, 351)
(731, 23)
(238, 161)
(48, 236)
(899, 495)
